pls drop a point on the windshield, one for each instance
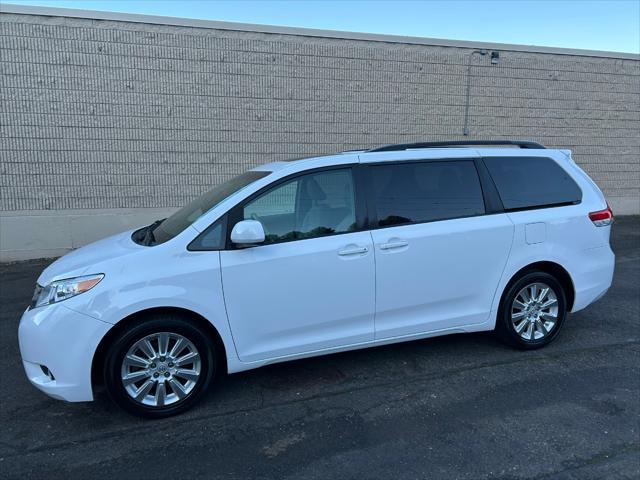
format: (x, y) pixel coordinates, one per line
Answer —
(188, 214)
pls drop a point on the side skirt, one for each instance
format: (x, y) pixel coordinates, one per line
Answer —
(236, 366)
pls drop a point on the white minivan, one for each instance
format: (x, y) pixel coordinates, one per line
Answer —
(322, 255)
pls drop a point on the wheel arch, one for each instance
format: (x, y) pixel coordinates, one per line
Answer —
(552, 268)
(141, 316)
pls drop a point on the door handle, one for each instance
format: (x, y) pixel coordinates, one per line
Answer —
(394, 244)
(353, 251)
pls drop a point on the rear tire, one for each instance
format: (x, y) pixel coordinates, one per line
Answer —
(160, 367)
(532, 311)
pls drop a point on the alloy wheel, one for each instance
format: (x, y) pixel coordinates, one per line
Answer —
(534, 311)
(161, 369)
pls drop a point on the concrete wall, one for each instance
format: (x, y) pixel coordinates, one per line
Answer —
(108, 124)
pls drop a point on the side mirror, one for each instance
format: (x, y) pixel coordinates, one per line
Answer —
(247, 232)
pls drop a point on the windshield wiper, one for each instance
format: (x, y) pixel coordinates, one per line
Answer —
(149, 238)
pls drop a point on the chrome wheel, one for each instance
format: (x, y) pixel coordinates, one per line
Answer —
(161, 369)
(534, 312)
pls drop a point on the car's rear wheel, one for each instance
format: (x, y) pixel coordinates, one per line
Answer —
(159, 367)
(532, 311)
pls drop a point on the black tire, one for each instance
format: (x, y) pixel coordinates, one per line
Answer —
(505, 326)
(172, 324)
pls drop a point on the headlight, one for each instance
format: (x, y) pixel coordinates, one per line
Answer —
(63, 289)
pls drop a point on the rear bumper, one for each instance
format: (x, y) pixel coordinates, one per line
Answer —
(64, 342)
(593, 276)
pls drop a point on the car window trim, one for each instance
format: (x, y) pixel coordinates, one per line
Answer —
(542, 207)
(492, 200)
(235, 213)
(371, 201)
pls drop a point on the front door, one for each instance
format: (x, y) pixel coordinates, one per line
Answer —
(311, 285)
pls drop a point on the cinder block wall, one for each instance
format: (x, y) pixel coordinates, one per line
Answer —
(110, 124)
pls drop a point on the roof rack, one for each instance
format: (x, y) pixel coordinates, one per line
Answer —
(455, 143)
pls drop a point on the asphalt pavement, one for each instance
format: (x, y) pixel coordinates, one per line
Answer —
(456, 407)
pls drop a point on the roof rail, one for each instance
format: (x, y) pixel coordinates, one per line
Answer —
(455, 143)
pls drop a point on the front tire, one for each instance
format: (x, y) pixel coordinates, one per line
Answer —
(159, 367)
(532, 311)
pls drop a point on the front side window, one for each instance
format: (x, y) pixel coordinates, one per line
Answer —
(426, 191)
(529, 182)
(308, 206)
(176, 223)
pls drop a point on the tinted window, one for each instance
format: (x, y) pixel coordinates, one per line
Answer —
(426, 191)
(188, 214)
(211, 239)
(308, 206)
(532, 182)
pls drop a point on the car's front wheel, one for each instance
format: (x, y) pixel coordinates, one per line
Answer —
(159, 367)
(532, 310)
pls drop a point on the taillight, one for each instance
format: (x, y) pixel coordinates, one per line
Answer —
(602, 218)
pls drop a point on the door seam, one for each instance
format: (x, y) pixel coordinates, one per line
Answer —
(504, 268)
(375, 284)
(226, 311)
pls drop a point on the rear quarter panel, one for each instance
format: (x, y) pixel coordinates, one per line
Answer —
(564, 235)
(571, 241)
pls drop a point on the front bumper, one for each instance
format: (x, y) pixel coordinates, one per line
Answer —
(64, 342)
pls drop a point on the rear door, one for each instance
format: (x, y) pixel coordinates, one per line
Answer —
(440, 248)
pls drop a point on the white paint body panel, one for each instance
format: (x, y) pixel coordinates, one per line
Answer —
(286, 299)
(279, 302)
(535, 232)
(64, 341)
(444, 277)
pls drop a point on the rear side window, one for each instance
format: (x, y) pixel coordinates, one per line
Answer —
(426, 191)
(529, 182)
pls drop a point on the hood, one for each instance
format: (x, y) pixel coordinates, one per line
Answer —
(90, 258)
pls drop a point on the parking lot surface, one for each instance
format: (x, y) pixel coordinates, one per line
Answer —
(457, 407)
